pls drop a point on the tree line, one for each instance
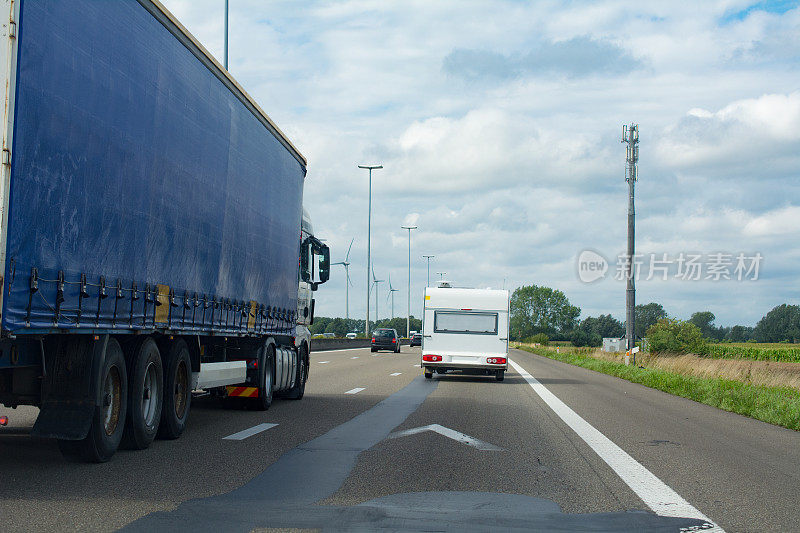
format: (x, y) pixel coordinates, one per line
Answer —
(548, 314)
(342, 326)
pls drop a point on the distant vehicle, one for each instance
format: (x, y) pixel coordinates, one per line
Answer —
(351, 335)
(385, 339)
(329, 335)
(416, 339)
(465, 330)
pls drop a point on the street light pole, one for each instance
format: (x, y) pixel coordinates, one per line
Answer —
(225, 62)
(429, 257)
(369, 238)
(408, 314)
(441, 275)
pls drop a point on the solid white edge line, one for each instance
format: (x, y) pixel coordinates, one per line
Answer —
(355, 391)
(249, 432)
(654, 493)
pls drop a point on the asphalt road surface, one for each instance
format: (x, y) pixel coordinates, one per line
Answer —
(374, 445)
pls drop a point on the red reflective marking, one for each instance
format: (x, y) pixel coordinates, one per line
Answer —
(3, 420)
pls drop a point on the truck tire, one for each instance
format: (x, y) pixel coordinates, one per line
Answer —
(266, 377)
(296, 392)
(108, 421)
(500, 375)
(428, 374)
(177, 391)
(145, 394)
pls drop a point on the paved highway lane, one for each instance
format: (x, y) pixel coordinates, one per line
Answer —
(374, 445)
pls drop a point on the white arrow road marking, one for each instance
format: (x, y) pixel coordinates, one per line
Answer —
(450, 434)
(655, 493)
(249, 432)
(355, 391)
(395, 373)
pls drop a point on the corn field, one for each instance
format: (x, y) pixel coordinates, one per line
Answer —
(789, 354)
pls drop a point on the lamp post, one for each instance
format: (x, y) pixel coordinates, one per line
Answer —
(408, 314)
(429, 257)
(441, 275)
(369, 238)
(225, 54)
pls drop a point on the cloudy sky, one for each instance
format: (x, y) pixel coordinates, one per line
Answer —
(498, 124)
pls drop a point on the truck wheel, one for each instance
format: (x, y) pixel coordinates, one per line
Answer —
(108, 420)
(145, 394)
(500, 375)
(428, 374)
(296, 392)
(266, 377)
(177, 391)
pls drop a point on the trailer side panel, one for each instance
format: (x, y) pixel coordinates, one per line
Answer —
(133, 164)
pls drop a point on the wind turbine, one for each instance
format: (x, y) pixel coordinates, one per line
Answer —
(392, 290)
(376, 281)
(346, 265)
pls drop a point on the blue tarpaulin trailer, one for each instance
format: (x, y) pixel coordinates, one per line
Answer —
(149, 207)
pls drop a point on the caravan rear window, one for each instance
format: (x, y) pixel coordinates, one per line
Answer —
(465, 322)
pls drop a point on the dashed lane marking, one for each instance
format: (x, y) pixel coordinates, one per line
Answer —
(249, 432)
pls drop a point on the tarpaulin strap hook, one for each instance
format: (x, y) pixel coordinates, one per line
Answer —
(101, 295)
(82, 293)
(117, 298)
(34, 286)
(134, 297)
(146, 299)
(59, 296)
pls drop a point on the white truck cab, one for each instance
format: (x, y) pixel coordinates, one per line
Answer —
(465, 330)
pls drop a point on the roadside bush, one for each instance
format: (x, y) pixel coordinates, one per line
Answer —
(670, 335)
(540, 338)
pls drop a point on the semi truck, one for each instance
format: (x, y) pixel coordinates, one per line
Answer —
(465, 330)
(152, 235)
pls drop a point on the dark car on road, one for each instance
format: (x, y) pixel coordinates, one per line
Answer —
(416, 339)
(385, 339)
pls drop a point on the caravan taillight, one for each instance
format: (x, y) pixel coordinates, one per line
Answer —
(3, 420)
(432, 358)
(496, 360)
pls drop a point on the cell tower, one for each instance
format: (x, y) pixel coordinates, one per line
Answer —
(630, 136)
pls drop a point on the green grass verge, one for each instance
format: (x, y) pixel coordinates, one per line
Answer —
(779, 406)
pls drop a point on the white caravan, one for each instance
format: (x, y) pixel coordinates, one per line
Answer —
(465, 330)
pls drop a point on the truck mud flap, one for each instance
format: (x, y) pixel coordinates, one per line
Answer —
(69, 395)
